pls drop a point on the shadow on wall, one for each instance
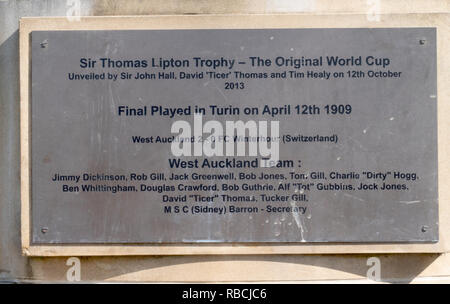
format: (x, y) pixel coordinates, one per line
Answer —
(12, 265)
(394, 268)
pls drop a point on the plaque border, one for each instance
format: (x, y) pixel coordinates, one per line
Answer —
(440, 21)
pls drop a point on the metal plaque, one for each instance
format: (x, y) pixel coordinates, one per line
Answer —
(249, 135)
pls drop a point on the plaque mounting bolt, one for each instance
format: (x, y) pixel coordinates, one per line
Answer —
(424, 229)
(44, 230)
(44, 44)
(422, 41)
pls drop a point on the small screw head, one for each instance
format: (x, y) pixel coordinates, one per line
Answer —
(44, 44)
(422, 41)
(44, 229)
(424, 228)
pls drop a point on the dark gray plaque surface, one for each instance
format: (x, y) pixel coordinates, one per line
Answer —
(382, 131)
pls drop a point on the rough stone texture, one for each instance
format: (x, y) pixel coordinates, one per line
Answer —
(395, 267)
